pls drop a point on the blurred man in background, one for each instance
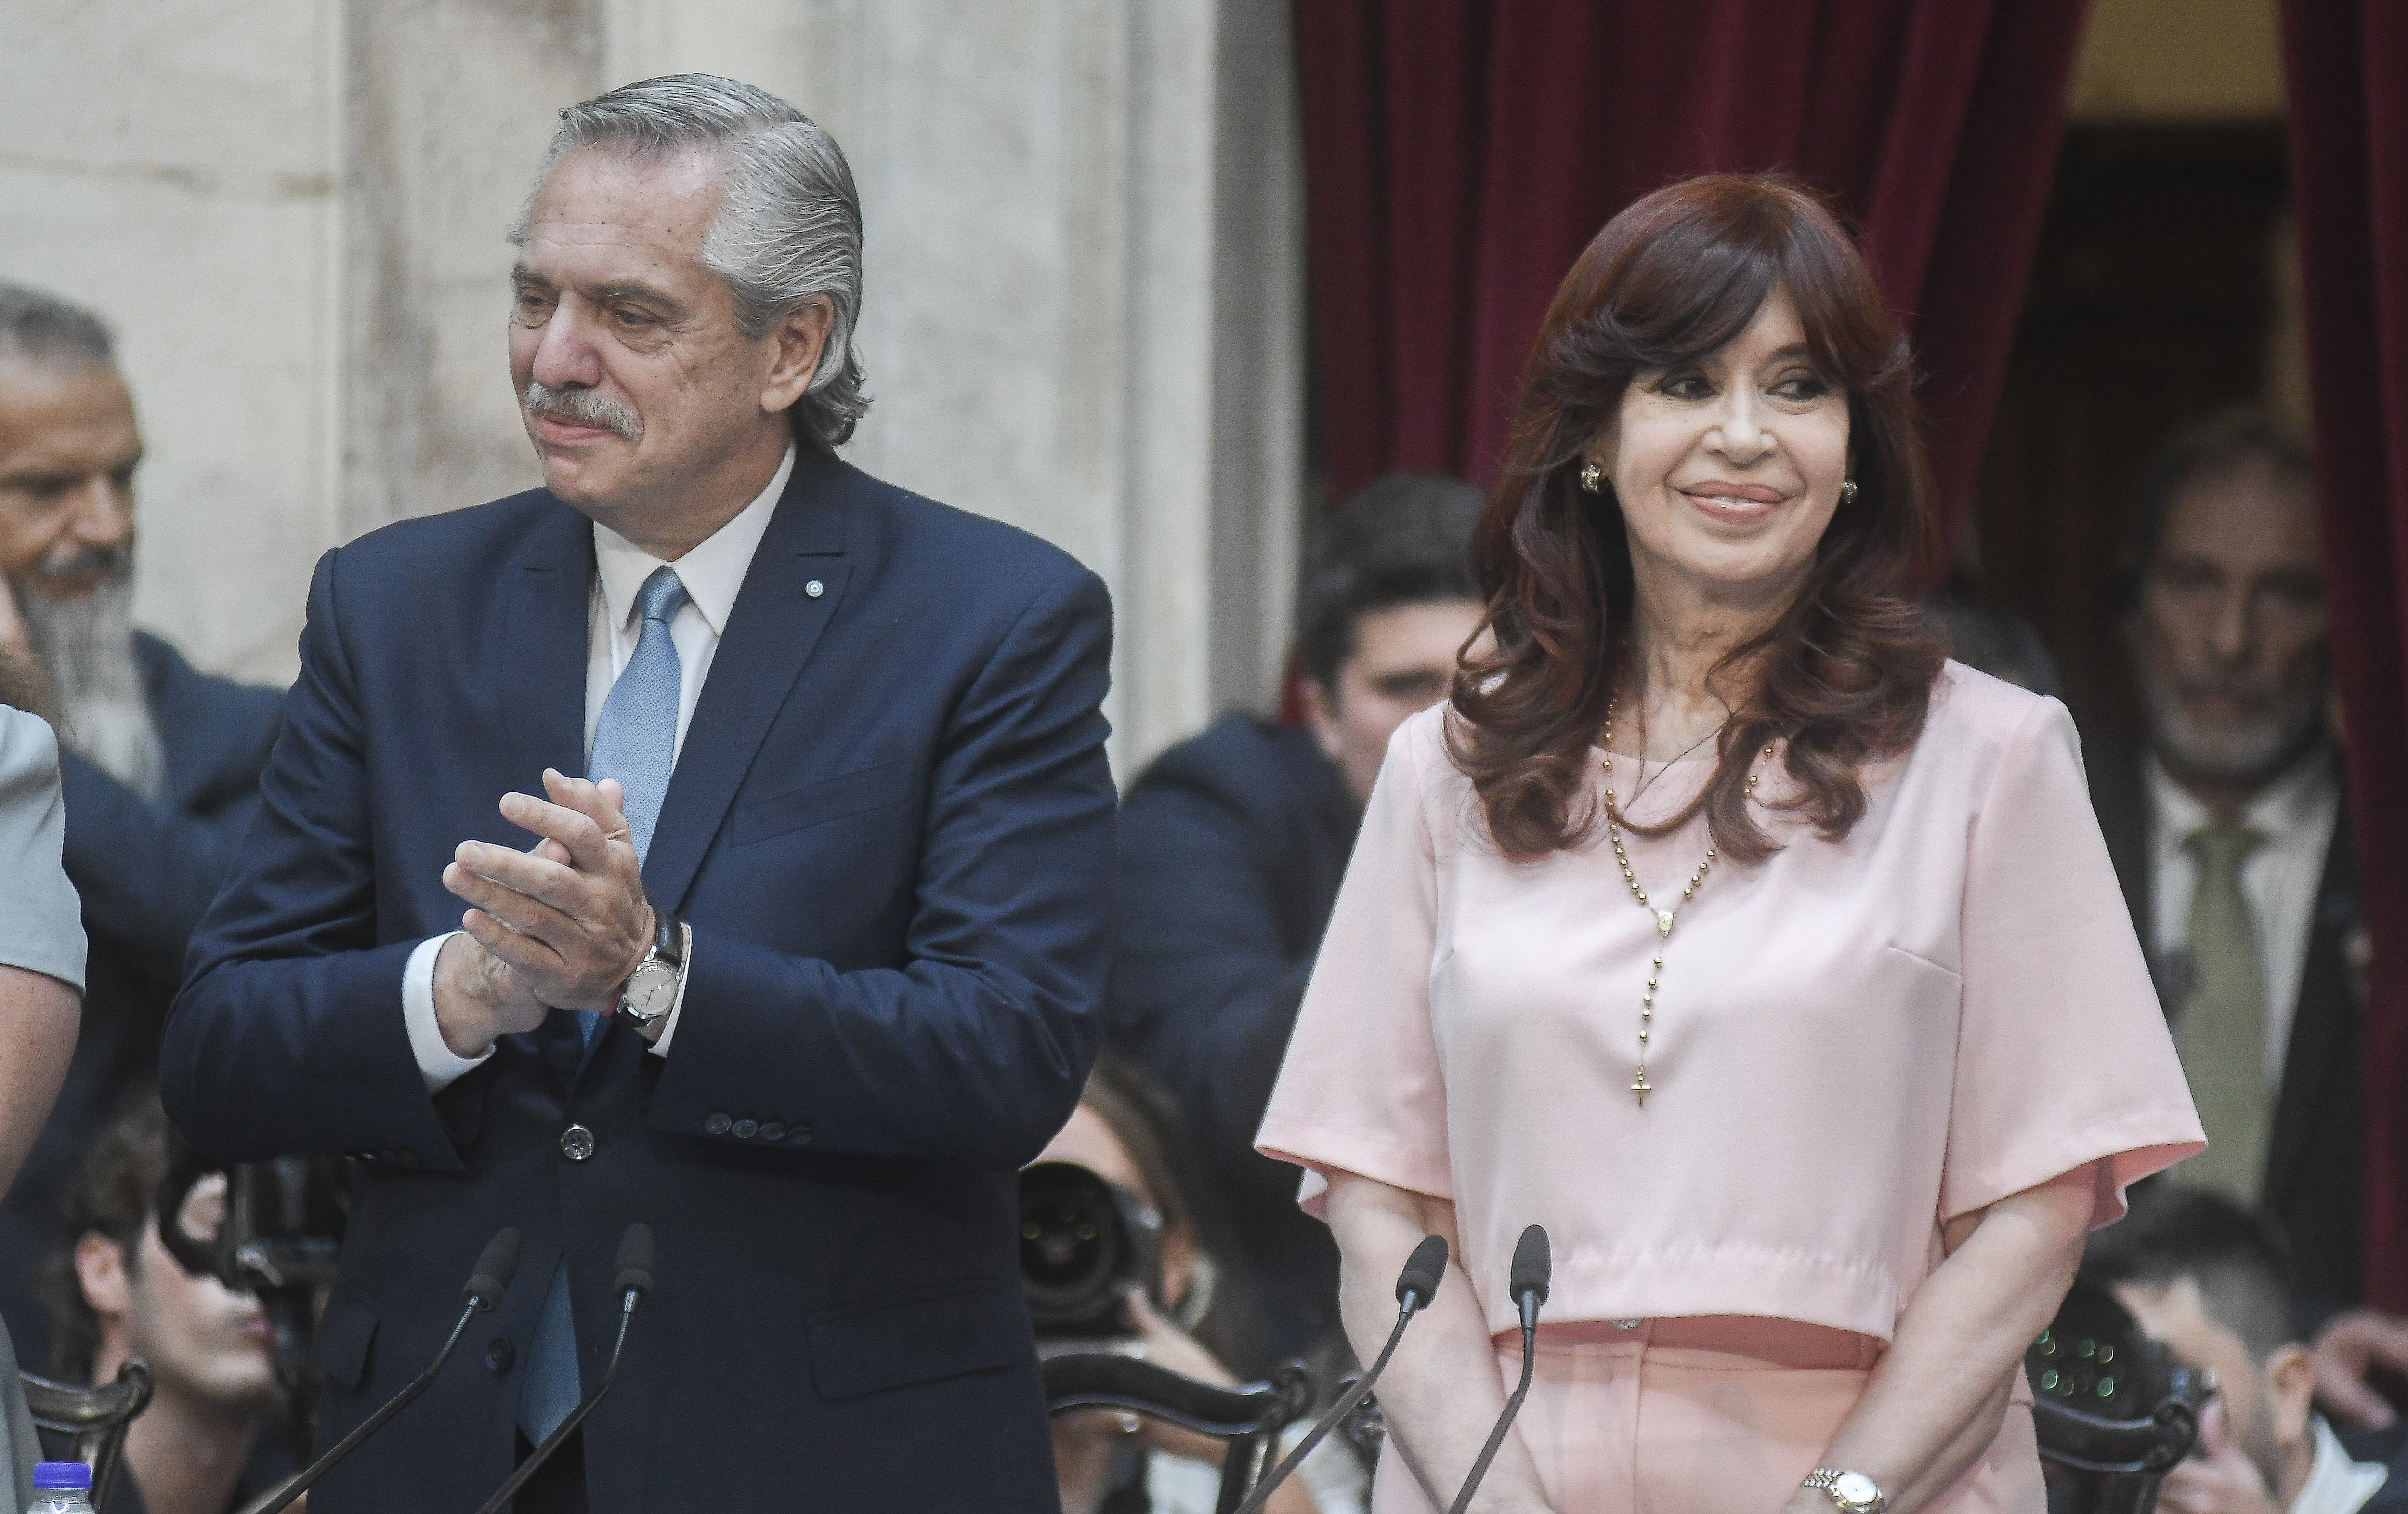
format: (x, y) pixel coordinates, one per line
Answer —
(1232, 845)
(161, 764)
(2211, 1281)
(2230, 833)
(117, 1292)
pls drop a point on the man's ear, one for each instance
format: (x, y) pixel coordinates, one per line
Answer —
(100, 1272)
(1321, 716)
(2290, 1392)
(799, 340)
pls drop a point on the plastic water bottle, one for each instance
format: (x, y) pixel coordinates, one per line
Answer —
(61, 1487)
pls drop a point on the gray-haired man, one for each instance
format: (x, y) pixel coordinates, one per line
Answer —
(808, 955)
(161, 764)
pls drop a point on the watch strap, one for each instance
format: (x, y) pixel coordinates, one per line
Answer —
(670, 938)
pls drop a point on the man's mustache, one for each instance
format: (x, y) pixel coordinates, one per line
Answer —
(581, 407)
(113, 561)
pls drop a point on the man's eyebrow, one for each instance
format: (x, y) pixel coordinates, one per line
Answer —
(522, 277)
(662, 299)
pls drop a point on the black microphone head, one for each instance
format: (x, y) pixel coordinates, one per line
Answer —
(1532, 1266)
(634, 1260)
(1417, 1285)
(496, 1266)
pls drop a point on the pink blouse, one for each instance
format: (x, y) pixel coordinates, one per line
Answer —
(1853, 1041)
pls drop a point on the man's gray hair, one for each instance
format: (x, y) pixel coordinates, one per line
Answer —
(789, 221)
(43, 329)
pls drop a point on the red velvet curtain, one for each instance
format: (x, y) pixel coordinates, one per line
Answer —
(2348, 62)
(1458, 155)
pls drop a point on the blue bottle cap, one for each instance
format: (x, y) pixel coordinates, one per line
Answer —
(57, 1475)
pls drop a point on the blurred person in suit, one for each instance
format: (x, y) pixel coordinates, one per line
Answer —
(161, 764)
(1232, 846)
(1127, 1133)
(716, 838)
(2211, 1281)
(41, 985)
(117, 1292)
(2228, 827)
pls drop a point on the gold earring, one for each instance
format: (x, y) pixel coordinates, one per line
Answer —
(1592, 478)
(1847, 491)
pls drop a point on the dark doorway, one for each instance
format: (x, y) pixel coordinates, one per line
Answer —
(2152, 304)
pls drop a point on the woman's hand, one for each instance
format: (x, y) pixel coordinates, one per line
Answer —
(1441, 1393)
(1936, 1402)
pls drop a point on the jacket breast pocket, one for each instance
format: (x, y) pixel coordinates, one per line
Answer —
(857, 792)
(892, 1345)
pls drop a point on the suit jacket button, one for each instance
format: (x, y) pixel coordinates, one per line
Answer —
(814, 589)
(772, 1130)
(576, 1143)
(743, 1130)
(800, 1135)
(499, 1354)
(716, 1125)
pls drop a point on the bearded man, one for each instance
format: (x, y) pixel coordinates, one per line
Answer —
(2230, 833)
(160, 763)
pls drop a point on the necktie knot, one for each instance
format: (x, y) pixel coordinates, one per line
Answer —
(2221, 848)
(661, 596)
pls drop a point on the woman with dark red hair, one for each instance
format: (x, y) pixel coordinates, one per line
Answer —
(1771, 962)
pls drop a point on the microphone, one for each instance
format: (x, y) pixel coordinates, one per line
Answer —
(496, 1266)
(634, 1281)
(1527, 1284)
(1416, 1286)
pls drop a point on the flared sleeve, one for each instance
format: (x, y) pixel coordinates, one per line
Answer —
(1360, 1090)
(2063, 1057)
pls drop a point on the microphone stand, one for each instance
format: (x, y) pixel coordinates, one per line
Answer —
(1416, 1286)
(1529, 1288)
(486, 1285)
(634, 1280)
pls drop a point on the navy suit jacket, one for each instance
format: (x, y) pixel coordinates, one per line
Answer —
(146, 870)
(1232, 848)
(891, 827)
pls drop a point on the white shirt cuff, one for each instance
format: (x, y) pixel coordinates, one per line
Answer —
(668, 1026)
(438, 1063)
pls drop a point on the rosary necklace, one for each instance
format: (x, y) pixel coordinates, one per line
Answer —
(1639, 1087)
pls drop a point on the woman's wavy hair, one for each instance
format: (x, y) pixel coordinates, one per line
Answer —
(1846, 675)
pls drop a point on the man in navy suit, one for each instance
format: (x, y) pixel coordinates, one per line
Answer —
(160, 763)
(802, 970)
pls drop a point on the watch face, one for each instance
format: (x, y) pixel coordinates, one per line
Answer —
(1856, 1490)
(652, 991)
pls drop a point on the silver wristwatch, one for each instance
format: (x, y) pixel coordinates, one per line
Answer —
(650, 991)
(1852, 1491)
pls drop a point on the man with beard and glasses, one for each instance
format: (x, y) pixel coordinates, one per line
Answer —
(160, 763)
(2229, 832)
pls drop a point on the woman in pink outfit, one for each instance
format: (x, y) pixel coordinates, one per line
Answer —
(1720, 926)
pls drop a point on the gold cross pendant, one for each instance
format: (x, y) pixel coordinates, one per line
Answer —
(1642, 1088)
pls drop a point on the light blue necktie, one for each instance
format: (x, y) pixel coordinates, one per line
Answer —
(635, 742)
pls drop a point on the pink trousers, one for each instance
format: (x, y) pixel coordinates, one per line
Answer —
(1706, 1416)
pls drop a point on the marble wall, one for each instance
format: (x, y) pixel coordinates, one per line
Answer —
(1082, 312)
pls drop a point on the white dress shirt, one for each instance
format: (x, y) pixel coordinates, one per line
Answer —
(2336, 1484)
(2280, 878)
(712, 573)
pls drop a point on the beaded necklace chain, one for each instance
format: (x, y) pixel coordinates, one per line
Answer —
(1639, 1087)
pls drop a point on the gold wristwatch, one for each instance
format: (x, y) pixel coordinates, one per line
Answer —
(1853, 1492)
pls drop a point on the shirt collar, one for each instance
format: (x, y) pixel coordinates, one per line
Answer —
(2292, 802)
(712, 572)
(2336, 1484)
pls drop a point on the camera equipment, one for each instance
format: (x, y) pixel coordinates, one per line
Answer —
(1084, 1243)
(280, 1238)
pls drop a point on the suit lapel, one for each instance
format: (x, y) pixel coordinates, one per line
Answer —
(2324, 1025)
(777, 621)
(543, 651)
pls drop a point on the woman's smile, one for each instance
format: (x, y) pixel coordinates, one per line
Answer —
(1733, 504)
